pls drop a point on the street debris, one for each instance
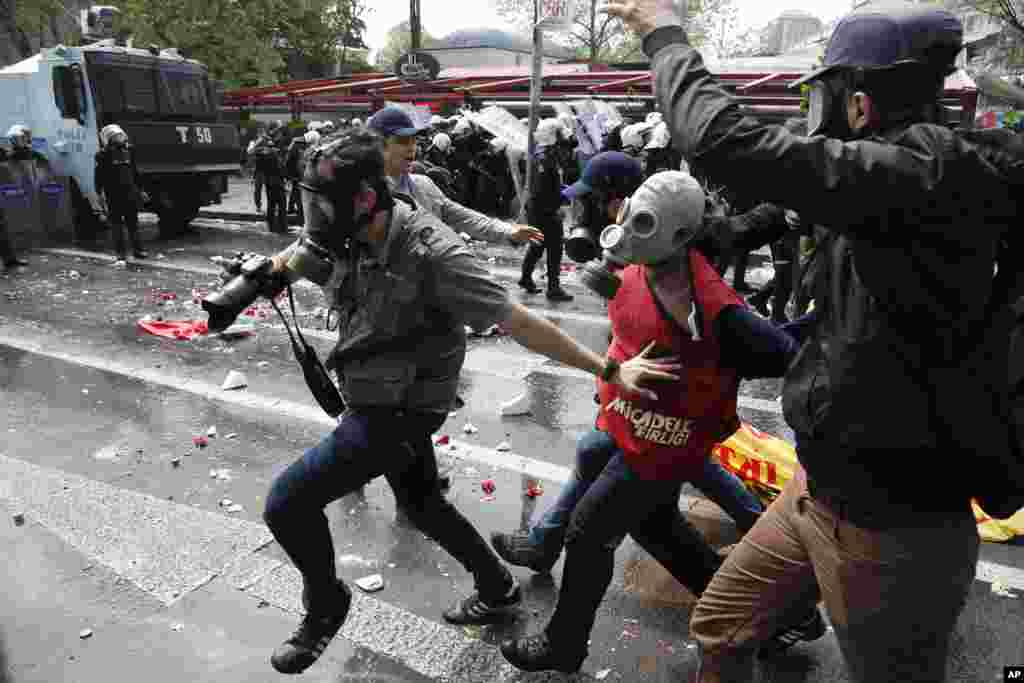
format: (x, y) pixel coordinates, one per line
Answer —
(602, 674)
(466, 236)
(452, 414)
(238, 330)
(520, 405)
(175, 462)
(232, 435)
(534, 490)
(223, 474)
(630, 629)
(85, 633)
(442, 440)
(357, 561)
(1001, 589)
(234, 380)
(234, 507)
(226, 502)
(469, 429)
(488, 488)
(177, 627)
(263, 364)
(503, 447)
(200, 441)
(212, 431)
(19, 518)
(371, 583)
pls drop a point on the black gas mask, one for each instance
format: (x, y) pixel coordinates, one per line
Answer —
(826, 111)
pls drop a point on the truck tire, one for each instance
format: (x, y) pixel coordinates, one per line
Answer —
(175, 219)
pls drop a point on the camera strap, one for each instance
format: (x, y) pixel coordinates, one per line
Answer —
(317, 378)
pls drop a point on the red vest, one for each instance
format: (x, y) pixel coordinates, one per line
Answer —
(669, 439)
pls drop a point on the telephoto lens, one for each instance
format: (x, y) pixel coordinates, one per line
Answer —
(254, 280)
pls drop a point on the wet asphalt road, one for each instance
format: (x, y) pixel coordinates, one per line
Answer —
(125, 532)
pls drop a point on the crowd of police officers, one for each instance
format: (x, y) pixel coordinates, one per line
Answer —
(470, 166)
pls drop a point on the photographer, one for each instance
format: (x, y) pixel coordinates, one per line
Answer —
(902, 366)
(400, 152)
(408, 288)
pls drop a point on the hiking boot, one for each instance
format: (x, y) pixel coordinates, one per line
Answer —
(536, 653)
(529, 286)
(476, 609)
(559, 294)
(810, 628)
(516, 549)
(314, 634)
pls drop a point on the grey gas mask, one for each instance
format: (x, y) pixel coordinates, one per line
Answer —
(659, 220)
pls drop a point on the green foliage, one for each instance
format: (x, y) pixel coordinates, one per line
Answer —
(397, 42)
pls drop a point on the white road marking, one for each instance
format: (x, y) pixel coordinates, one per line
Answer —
(987, 571)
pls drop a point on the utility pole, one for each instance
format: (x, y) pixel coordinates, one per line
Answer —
(415, 27)
(535, 88)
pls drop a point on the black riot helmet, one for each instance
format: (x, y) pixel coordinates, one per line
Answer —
(897, 52)
(336, 174)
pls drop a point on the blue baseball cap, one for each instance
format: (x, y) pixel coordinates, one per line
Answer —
(608, 171)
(892, 33)
(392, 121)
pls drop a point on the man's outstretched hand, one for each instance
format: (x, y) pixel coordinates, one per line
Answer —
(643, 16)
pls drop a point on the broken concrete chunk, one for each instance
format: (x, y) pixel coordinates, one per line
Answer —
(232, 435)
(234, 380)
(211, 431)
(469, 429)
(503, 446)
(371, 583)
(19, 518)
(85, 633)
(520, 405)
(234, 507)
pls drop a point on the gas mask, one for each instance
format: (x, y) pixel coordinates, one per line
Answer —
(658, 221)
(826, 111)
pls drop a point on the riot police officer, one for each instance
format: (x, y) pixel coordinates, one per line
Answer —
(20, 139)
(543, 211)
(407, 288)
(267, 160)
(117, 181)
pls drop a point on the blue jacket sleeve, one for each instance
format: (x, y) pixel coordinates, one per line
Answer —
(754, 346)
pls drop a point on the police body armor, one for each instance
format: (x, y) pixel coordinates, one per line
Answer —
(394, 348)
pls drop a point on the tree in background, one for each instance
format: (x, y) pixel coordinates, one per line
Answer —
(1006, 55)
(599, 38)
(397, 42)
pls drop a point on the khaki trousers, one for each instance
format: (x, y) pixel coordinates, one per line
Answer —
(893, 596)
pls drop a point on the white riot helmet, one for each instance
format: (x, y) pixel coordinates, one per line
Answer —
(436, 121)
(357, 122)
(312, 138)
(632, 137)
(654, 118)
(660, 137)
(20, 136)
(548, 132)
(442, 142)
(463, 127)
(498, 145)
(112, 133)
(568, 120)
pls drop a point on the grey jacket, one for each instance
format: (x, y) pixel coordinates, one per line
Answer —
(459, 218)
(402, 315)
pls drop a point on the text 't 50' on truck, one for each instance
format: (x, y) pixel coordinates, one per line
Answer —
(163, 101)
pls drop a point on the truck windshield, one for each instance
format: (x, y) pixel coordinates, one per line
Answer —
(131, 87)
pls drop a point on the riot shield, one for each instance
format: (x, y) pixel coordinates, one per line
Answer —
(17, 201)
(53, 198)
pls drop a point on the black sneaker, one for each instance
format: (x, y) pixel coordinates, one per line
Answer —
(559, 295)
(810, 628)
(516, 549)
(535, 653)
(315, 632)
(477, 610)
(529, 286)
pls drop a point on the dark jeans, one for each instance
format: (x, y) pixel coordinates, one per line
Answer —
(593, 451)
(277, 215)
(615, 504)
(257, 188)
(365, 445)
(554, 238)
(295, 200)
(124, 218)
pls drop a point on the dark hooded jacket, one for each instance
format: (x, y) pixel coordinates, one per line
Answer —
(893, 395)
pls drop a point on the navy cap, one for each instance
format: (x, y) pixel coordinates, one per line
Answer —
(606, 172)
(392, 121)
(885, 34)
